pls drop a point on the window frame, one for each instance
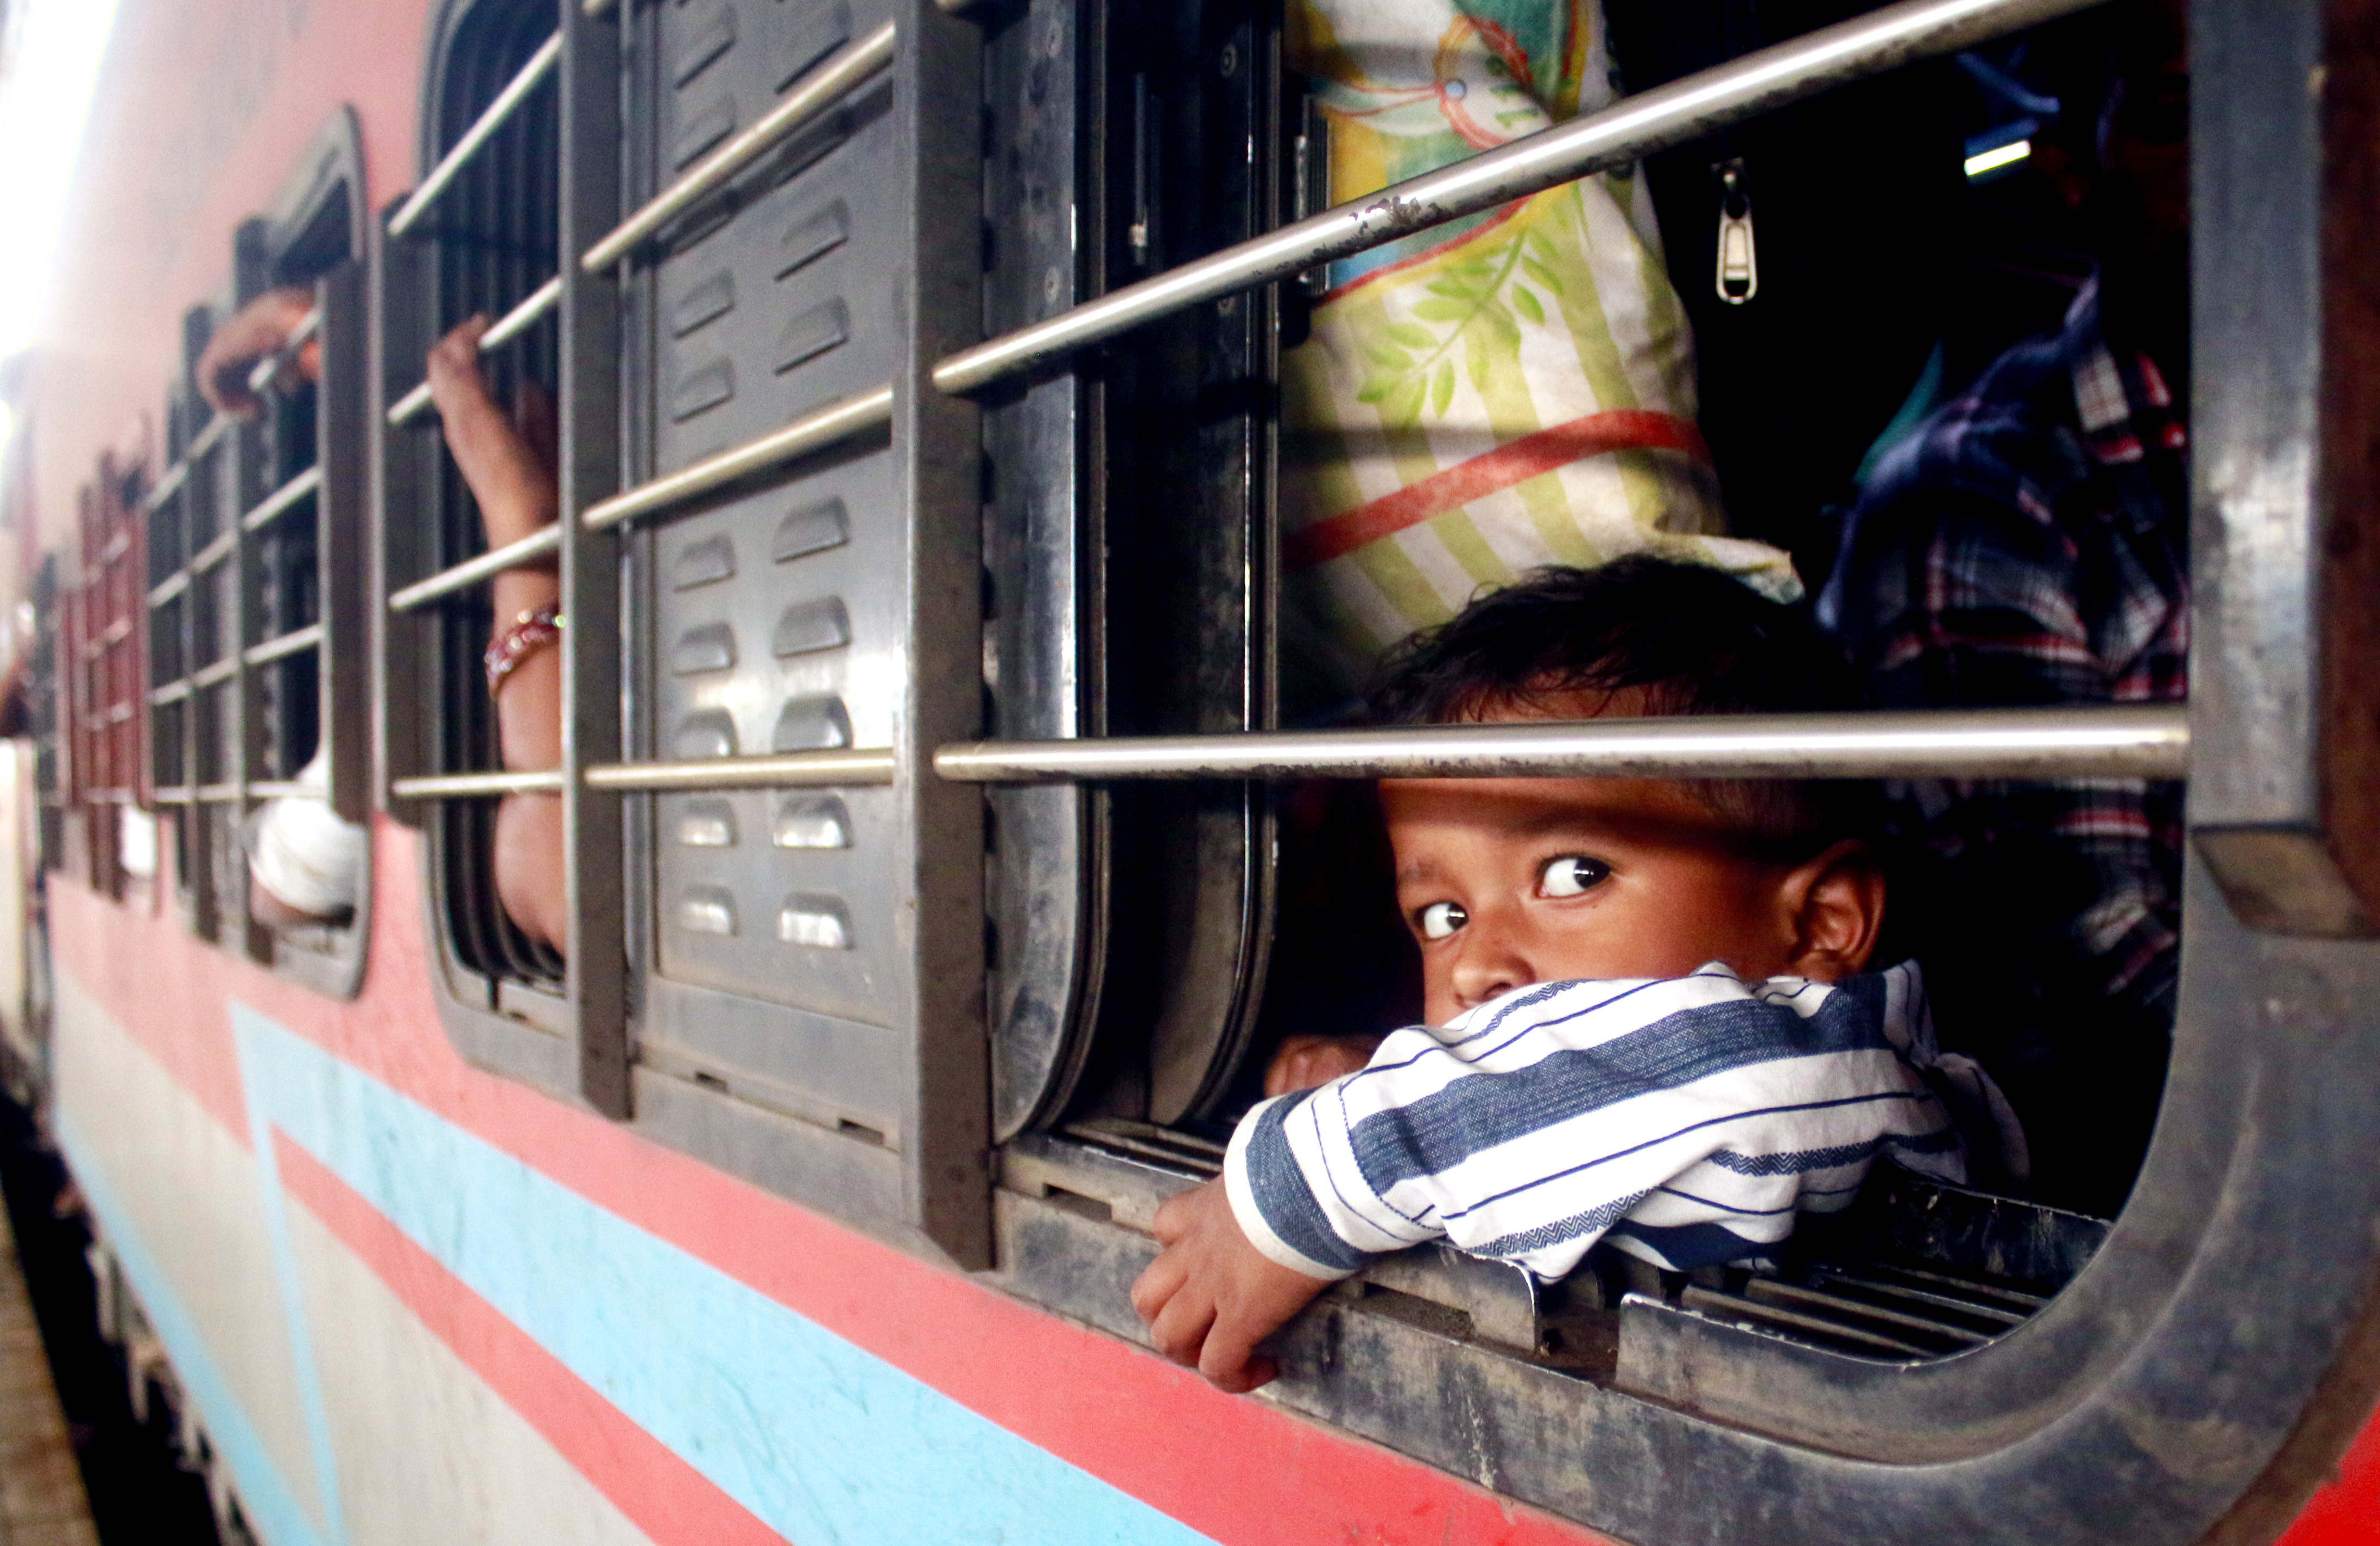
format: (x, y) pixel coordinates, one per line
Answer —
(104, 666)
(250, 684)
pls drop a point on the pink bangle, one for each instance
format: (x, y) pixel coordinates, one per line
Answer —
(530, 632)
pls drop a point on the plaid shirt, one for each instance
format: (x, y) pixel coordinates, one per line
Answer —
(2028, 546)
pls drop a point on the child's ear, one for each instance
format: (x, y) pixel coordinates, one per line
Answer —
(1835, 907)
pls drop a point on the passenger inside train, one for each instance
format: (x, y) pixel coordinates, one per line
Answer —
(1646, 1018)
(2028, 544)
(305, 862)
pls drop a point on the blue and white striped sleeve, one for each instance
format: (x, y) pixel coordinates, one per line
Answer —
(1690, 1118)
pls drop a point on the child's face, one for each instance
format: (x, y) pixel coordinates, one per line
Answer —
(1507, 881)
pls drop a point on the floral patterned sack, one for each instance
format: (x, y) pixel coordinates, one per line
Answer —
(1511, 390)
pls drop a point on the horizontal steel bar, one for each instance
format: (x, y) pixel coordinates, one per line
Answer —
(282, 789)
(117, 546)
(167, 487)
(168, 589)
(173, 793)
(2128, 742)
(218, 794)
(213, 553)
(479, 785)
(179, 473)
(172, 692)
(207, 676)
(596, 8)
(278, 502)
(307, 637)
(1622, 134)
(511, 325)
(463, 576)
(273, 364)
(814, 432)
(820, 89)
(797, 769)
(541, 64)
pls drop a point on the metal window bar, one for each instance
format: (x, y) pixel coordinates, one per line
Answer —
(472, 571)
(511, 325)
(1619, 136)
(442, 177)
(858, 767)
(280, 501)
(813, 431)
(290, 643)
(268, 369)
(820, 89)
(2115, 742)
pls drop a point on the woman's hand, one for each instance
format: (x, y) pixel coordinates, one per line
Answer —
(511, 477)
(260, 328)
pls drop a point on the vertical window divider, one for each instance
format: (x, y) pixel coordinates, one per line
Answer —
(596, 984)
(343, 450)
(938, 440)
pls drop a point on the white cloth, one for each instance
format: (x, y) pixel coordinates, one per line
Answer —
(300, 851)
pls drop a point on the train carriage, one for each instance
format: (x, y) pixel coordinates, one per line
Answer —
(926, 861)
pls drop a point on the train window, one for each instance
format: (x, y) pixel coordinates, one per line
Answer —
(255, 602)
(479, 238)
(1929, 1323)
(44, 712)
(748, 268)
(102, 647)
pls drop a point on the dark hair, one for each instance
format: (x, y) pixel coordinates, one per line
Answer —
(1693, 639)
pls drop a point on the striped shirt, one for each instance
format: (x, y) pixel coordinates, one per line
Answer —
(1687, 1119)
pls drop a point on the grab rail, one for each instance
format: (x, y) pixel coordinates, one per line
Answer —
(2115, 742)
(512, 325)
(1620, 135)
(831, 82)
(273, 505)
(541, 64)
(813, 431)
(855, 768)
(463, 576)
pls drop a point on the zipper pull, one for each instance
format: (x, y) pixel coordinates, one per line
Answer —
(1739, 259)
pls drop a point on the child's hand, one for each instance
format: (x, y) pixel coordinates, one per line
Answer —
(1210, 1297)
(1303, 1062)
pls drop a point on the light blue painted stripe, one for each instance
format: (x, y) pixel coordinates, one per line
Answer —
(821, 1439)
(265, 1496)
(301, 1342)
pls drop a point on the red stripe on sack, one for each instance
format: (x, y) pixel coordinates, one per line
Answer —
(1515, 461)
(660, 1494)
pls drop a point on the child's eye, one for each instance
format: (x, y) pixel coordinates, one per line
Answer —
(1570, 875)
(1441, 919)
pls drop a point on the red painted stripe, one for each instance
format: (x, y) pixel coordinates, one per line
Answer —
(1515, 461)
(661, 1495)
(2345, 1511)
(1121, 1414)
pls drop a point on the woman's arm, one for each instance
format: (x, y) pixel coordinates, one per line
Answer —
(509, 466)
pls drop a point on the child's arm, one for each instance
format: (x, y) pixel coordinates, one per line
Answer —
(1698, 1109)
(1210, 1297)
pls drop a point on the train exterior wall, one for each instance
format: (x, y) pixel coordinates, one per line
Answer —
(412, 1302)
